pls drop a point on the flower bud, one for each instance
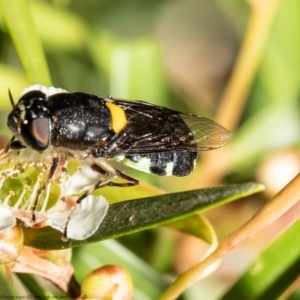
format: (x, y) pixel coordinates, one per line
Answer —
(11, 244)
(108, 283)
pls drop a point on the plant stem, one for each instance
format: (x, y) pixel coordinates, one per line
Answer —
(215, 163)
(276, 207)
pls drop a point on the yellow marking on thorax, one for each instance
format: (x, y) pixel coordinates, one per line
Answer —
(118, 117)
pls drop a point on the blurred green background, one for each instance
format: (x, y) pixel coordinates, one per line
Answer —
(178, 54)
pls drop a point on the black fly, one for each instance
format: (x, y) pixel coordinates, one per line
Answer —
(141, 135)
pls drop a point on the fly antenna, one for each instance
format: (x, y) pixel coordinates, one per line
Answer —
(11, 99)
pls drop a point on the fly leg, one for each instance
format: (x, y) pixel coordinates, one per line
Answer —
(7, 148)
(56, 159)
(130, 181)
(103, 182)
(116, 173)
(11, 145)
(16, 145)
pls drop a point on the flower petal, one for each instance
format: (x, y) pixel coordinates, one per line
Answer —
(7, 219)
(46, 90)
(85, 219)
(80, 180)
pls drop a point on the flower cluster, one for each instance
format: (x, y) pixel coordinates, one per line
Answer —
(23, 172)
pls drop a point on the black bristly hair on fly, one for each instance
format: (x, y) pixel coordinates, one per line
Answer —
(11, 99)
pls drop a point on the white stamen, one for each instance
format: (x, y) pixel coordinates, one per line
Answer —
(25, 189)
(10, 194)
(82, 219)
(28, 204)
(46, 198)
(4, 175)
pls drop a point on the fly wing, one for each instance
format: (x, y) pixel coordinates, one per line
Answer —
(155, 129)
(207, 134)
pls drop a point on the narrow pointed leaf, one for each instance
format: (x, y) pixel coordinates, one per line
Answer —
(131, 216)
(273, 271)
(198, 226)
(20, 25)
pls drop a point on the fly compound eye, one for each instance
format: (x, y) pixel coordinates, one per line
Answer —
(36, 133)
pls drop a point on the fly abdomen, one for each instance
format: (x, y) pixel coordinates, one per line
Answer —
(180, 163)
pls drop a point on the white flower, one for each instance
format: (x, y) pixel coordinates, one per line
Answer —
(80, 181)
(85, 219)
(82, 220)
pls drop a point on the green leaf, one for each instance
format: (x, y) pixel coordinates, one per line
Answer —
(133, 68)
(140, 191)
(280, 65)
(197, 226)
(59, 29)
(256, 136)
(18, 20)
(13, 79)
(131, 216)
(7, 289)
(34, 287)
(274, 270)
